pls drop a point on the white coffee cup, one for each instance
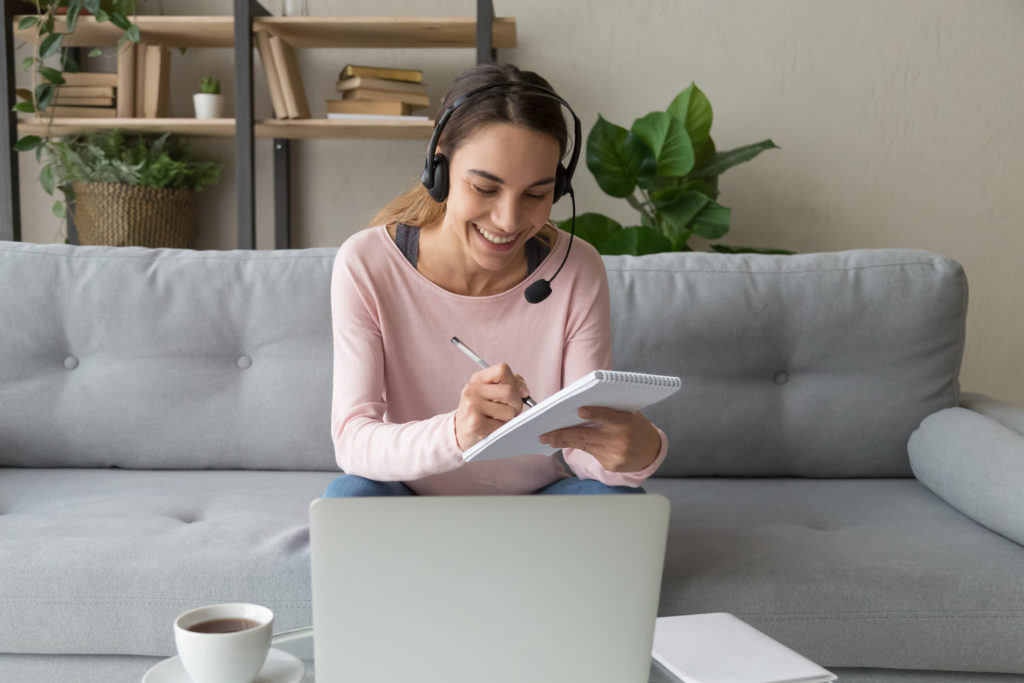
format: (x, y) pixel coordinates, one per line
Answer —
(226, 657)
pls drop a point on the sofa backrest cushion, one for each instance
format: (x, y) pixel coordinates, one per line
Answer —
(816, 365)
(145, 358)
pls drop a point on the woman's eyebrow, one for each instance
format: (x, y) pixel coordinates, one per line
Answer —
(500, 181)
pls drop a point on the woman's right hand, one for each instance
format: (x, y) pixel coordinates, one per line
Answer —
(490, 399)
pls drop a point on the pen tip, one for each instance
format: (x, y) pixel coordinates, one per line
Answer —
(455, 340)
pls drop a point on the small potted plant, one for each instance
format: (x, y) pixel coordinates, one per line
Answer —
(208, 101)
(128, 190)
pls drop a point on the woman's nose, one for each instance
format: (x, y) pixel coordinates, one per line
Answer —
(506, 214)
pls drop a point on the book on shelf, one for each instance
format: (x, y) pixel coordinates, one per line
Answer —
(378, 107)
(291, 78)
(347, 84)
(86, 91)
(157, 82)
(84, 101)
(140, 80)
(126, 79)
(389, 73)
(63, 112)
(360, 94)
(90, 78)
(270, 71)
(376, 117)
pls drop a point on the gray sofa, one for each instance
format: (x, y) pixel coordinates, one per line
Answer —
(164, 425)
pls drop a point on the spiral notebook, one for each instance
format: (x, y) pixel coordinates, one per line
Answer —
(608, 388)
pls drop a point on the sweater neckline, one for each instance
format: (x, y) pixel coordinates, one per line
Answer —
(395, 252)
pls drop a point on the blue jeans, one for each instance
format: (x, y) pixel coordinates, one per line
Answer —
(352, 485)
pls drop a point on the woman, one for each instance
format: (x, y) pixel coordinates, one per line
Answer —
(406, 402)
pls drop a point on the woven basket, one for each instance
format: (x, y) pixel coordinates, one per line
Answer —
(120, 215)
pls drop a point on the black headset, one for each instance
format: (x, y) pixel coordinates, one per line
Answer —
(435, 177)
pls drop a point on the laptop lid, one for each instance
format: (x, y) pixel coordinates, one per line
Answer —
(503, 589)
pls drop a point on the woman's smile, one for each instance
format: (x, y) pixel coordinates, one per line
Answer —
(496, 241)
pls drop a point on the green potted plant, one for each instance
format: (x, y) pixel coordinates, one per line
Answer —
(209, 103)
(666, 166)
(52, 22)
(129, 190)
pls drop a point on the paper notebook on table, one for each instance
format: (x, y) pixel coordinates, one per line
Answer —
(720, 648)
(607, 388)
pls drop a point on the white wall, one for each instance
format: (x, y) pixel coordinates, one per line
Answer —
(901, 124)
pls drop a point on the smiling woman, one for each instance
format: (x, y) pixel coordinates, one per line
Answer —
(454, 256)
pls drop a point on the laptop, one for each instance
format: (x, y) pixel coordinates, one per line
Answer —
(495, 589)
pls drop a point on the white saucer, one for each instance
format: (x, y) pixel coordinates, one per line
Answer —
(281, 667)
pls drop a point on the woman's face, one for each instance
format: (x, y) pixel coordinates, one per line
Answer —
(502, 181)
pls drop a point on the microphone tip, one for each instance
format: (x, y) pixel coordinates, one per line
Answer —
(537, 292)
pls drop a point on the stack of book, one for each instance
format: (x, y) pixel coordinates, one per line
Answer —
(90, 95)
(375, 92)
(139, 89)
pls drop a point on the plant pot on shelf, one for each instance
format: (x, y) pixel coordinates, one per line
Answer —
(122, 215)
(208, 105)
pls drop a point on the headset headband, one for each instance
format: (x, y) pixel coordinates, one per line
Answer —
(509, 85)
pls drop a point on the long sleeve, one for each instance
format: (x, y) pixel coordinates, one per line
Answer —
(364, 443)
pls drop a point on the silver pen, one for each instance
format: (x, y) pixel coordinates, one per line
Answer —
(482, 363)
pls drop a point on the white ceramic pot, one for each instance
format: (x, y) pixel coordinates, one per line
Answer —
(208, 106)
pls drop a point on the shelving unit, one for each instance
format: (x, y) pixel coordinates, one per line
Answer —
(485, 33)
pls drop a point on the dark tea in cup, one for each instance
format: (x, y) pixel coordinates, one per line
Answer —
(228, 625)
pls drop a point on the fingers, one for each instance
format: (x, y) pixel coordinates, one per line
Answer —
(621, 441)
(492, 397)
(502, 374)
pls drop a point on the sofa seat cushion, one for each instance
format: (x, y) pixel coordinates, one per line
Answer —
(861, 573)
(102, 561)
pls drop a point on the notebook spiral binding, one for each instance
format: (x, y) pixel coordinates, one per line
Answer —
(622, 377)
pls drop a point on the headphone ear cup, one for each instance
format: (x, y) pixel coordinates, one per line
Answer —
(437, 182)
(561, 182)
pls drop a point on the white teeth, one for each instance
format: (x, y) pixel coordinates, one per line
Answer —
(491, 237)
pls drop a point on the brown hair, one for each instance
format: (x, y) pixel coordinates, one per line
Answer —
(519, 107)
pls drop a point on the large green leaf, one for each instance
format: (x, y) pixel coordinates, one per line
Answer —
(46, 178)
(50, 45)
(617, 158)
(678, 208)
(44, 95)
(666, 136)
(713, 221)
(693, 108)
(637, 241)
(722, 161)
(72, 17)
(594, 227)
(52, 75)
(27, 143)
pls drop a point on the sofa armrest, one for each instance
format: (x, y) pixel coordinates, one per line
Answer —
(975, 462)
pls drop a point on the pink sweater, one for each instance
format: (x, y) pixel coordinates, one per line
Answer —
(398, 378)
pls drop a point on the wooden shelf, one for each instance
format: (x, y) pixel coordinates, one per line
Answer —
(288, 129)
(300, 32)
(324, 32)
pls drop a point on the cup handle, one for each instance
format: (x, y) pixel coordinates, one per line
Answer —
(285, 636)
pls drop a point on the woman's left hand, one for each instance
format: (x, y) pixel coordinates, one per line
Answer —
(622, 441)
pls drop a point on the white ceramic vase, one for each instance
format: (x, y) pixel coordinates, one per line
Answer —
(208, 106)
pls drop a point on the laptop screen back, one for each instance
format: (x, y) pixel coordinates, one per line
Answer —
(503, 589)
